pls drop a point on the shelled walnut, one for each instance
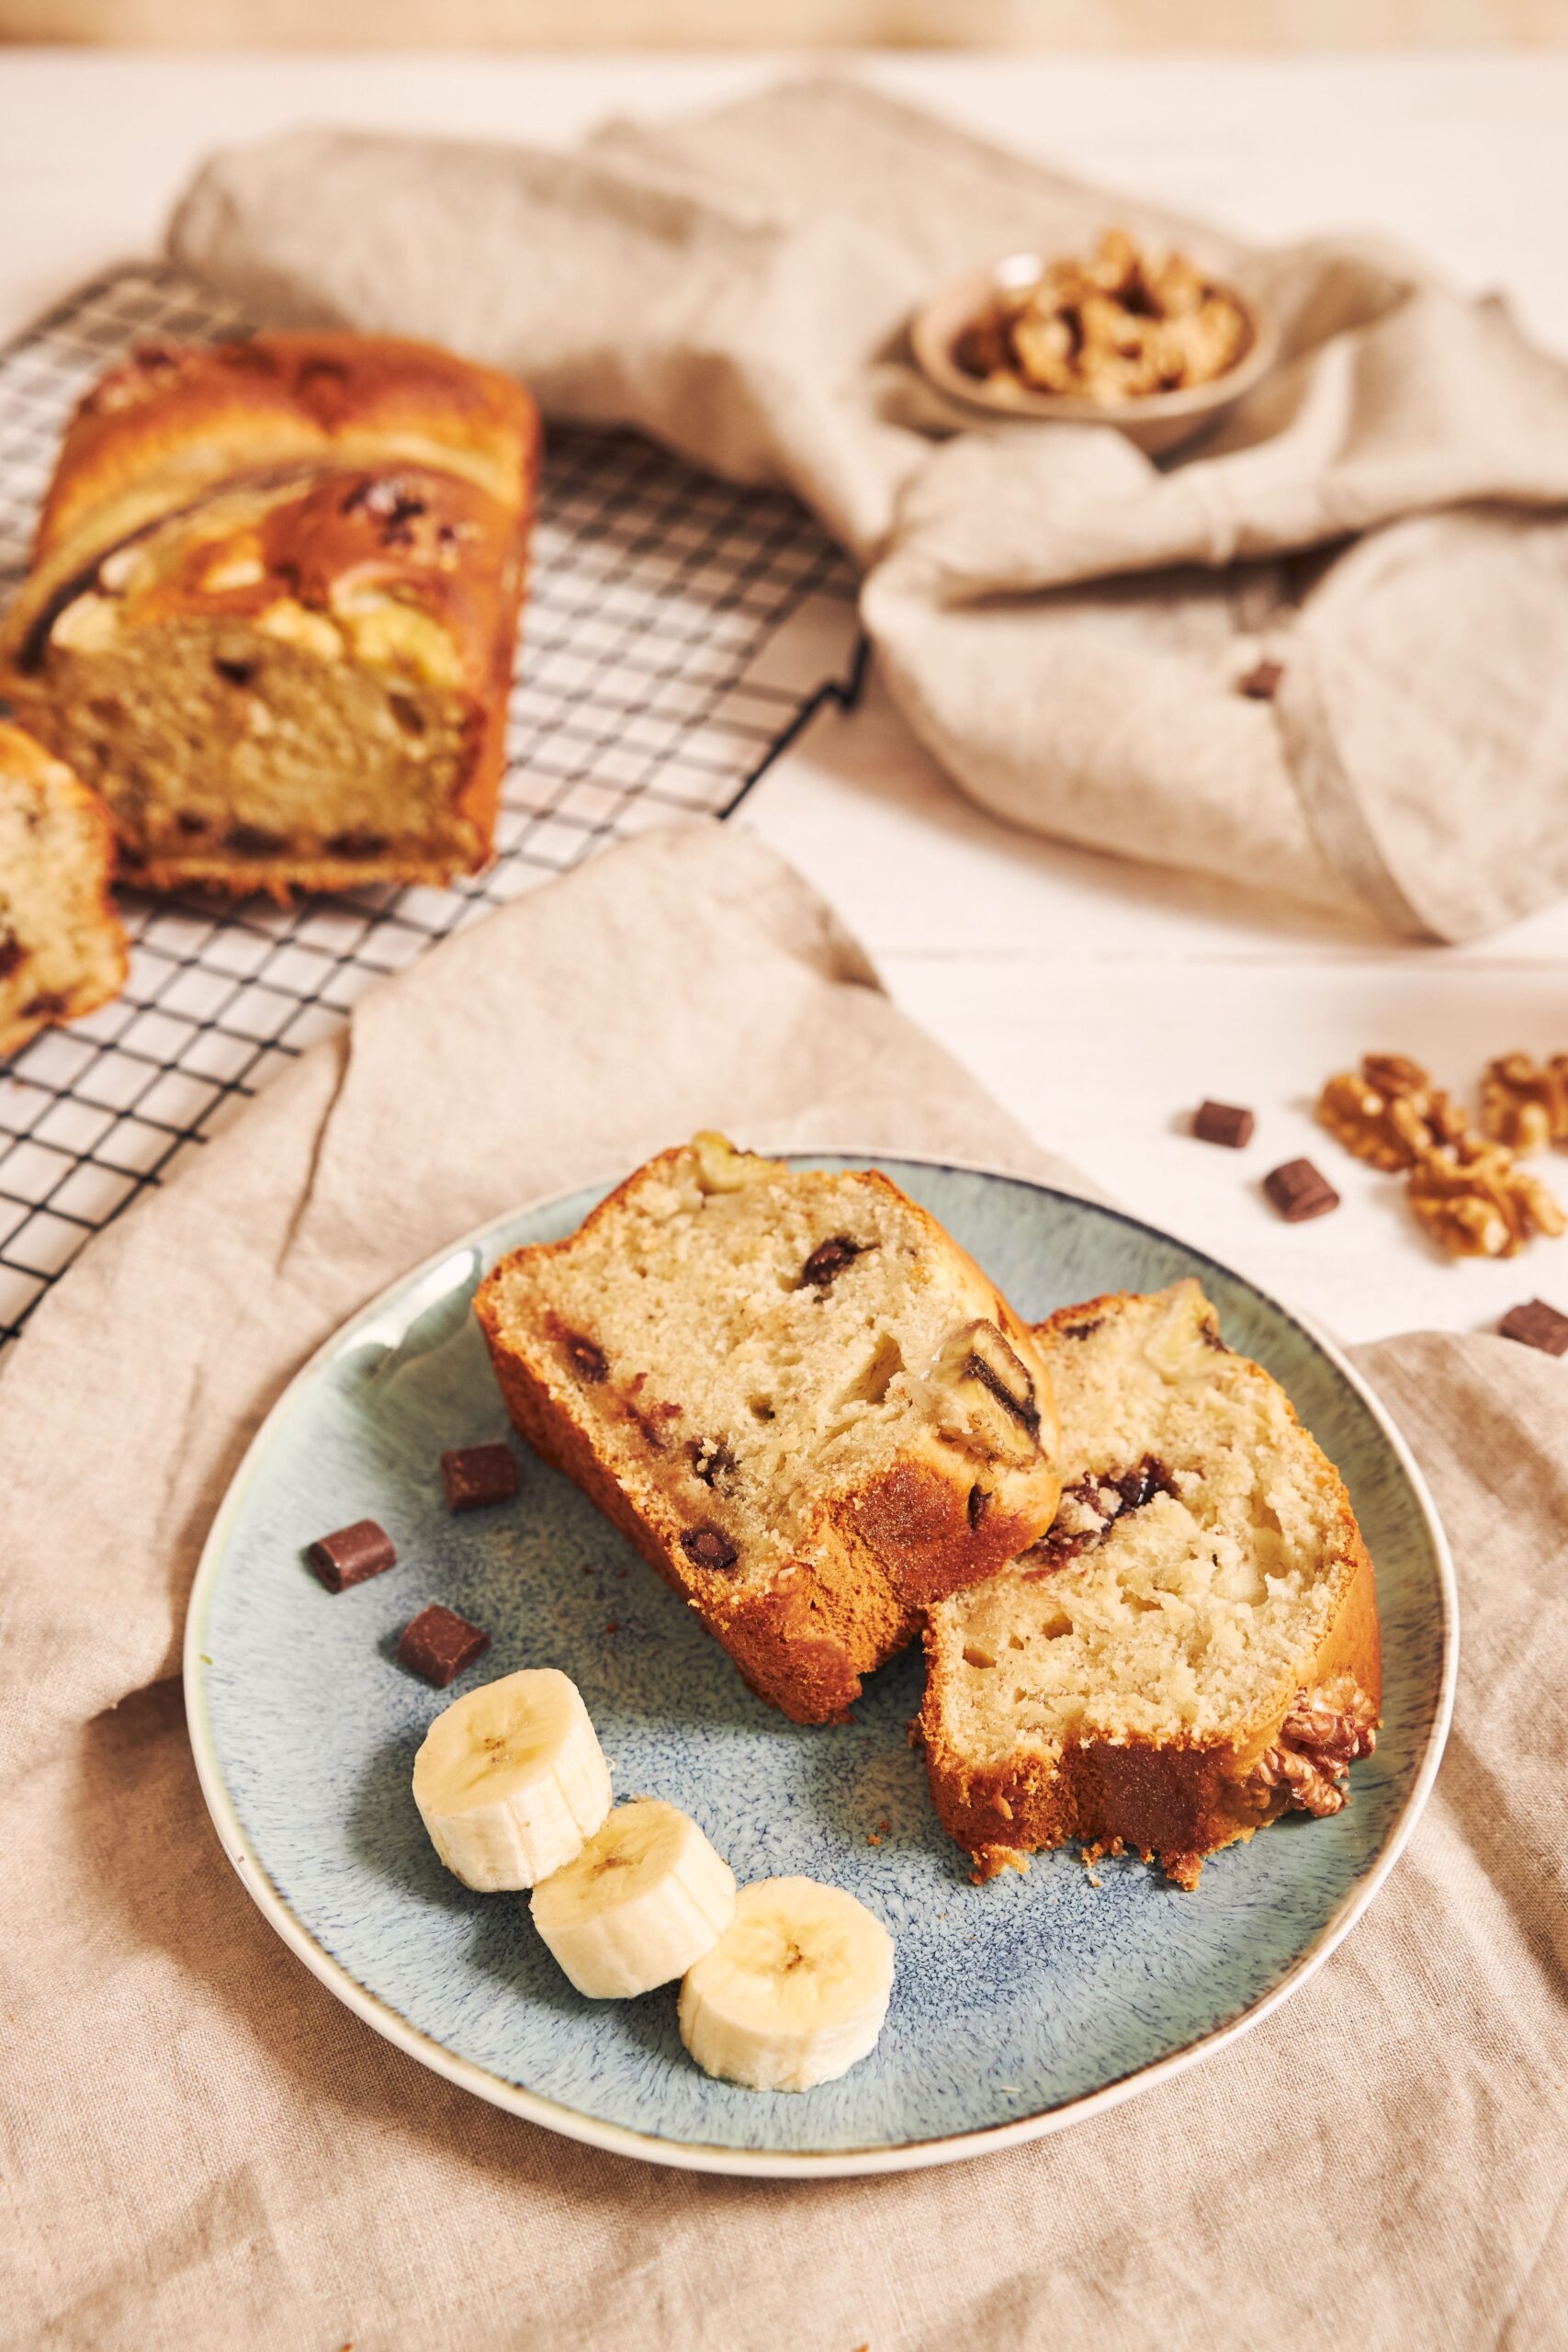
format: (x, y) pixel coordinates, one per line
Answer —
(1524, 1104)
(1474, 1198)
(1115, 326)
(1321, 1737)
(1389, 1113)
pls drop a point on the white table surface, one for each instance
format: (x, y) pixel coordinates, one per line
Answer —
(1099, 1000)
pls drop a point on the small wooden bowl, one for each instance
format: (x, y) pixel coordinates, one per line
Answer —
(1157, 422)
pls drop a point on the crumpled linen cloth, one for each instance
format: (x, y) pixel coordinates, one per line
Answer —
(200, 2148)
(1063, 623)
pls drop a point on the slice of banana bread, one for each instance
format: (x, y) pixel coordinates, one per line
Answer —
(802, 1402)
(61, 949)
(1193, 1649)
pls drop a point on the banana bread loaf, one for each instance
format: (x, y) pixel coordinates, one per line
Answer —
(802, 1402)
(273, 609)
(61, 949)
(1193, 1649)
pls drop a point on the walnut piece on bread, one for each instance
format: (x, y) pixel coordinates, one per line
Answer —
(62, 950)
(1323, 1734)
(273, 609)
(800, 1399)
(1191, 1649)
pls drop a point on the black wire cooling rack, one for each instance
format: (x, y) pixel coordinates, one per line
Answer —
(679, 633)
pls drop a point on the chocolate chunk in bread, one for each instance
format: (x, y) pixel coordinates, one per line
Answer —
(1192, 1648)
(851, 1422)
(276, 631)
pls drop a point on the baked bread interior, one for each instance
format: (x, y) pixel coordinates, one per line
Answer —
(62, 952)
(794, 1393)
(273, 611)
(1192, 1648)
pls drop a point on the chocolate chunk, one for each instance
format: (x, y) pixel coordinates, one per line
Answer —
(829, 1259)
(439, 1644)
(1105, 1496)
(45, 1005)
(238, 673)
(1261, 684)
(396, 531)
(12, 952)
(1298, 1191)
(708, 1547)
(1222, 1122)
(356, 844)
(474, 1476)
(713, 1462)
(188, 821)
(650, 1425)
(1535, 1325)
(351, 1555)
(254, 841)
(979, 1503)
(1081, 1330)
(1138, 1486)
(589, 1360)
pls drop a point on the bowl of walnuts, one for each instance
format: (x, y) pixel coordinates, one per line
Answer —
(1149, 341)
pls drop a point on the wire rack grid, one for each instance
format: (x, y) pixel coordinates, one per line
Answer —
(679, 632)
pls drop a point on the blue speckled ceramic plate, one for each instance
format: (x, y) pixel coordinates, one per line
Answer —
(1018, 2006)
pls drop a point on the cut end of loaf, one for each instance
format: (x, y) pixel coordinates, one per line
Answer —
(63, 950)
(807, 1405)
(1202, 1586)
(273, 612)
(278, 687)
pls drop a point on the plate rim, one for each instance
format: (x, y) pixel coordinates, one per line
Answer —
(767, 2162)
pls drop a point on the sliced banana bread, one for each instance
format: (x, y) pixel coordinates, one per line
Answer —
(1193, 1649)
(61, 949)
(273, 609)
(802, 1402)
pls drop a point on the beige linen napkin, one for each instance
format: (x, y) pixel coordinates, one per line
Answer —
(1065, 623)
(202, 2149)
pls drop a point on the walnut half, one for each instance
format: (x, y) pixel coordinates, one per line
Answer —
(1524, 1104)
(1389, 1113)
(1320, 1738)
(1474, 1198)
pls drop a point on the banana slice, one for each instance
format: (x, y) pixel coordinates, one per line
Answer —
(645, 1899)
(510, 1780)
(793, 1992)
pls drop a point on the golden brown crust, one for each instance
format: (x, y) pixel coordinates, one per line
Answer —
(1173, 1802)
(202, 412)
(803, 1641)
(25, 762)
(1174, 1805)
(795, 1644)
(309, 472)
